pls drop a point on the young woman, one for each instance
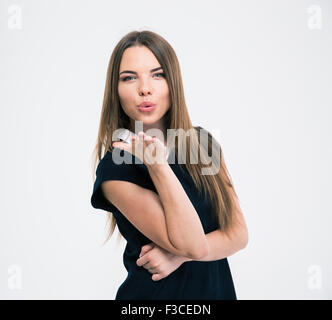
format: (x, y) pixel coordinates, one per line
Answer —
(180, 225)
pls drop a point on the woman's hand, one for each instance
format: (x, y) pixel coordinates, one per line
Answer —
(150, 150)
(158, 261)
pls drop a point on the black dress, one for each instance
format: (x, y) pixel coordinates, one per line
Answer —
(193, 279)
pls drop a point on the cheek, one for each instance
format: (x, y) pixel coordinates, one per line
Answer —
(126, 100)
(123, 94)
(164, 92)
(126, 97)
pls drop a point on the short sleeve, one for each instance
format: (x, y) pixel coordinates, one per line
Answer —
(109, 169)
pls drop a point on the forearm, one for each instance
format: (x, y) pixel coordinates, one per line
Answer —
(183, 224)
(220, 246)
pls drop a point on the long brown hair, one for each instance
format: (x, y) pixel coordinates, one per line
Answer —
(218, 187)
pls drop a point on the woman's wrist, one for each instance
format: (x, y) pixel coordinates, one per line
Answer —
(158, 169)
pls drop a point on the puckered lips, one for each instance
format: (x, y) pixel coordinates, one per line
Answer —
(146, 106)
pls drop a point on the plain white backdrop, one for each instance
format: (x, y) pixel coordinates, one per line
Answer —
(258, 71)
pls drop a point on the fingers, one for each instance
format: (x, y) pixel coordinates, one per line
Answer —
(142, 137)
(142, 261)
(147, 265)
(152, 270)
(122, 146)
(146, 249)
(156, 277)
(146, 148)
(148, 246)
(145, 138)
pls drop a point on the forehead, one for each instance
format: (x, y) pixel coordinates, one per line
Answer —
(138, 58)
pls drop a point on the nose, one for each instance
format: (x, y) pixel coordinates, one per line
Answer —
(144, 88)
(144, 93)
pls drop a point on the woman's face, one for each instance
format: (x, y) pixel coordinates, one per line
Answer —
(142, 84)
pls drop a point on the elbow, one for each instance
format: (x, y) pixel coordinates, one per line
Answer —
(200, 253)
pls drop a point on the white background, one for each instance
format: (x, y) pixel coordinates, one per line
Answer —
(258, 71)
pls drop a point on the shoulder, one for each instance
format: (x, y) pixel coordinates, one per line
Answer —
(118, 159)
(122, 165)
(112, 167)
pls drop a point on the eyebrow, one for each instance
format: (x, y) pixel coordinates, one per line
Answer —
(134, 72)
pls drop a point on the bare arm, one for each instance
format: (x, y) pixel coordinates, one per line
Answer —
(161, 263)
(221, 246)
(143, 208)
(182, 221)
(169, 217)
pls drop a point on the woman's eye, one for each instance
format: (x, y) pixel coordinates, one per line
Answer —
(129, 77)
(162, 74)
(125, 78)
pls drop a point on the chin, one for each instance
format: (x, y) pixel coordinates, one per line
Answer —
(148, 119)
